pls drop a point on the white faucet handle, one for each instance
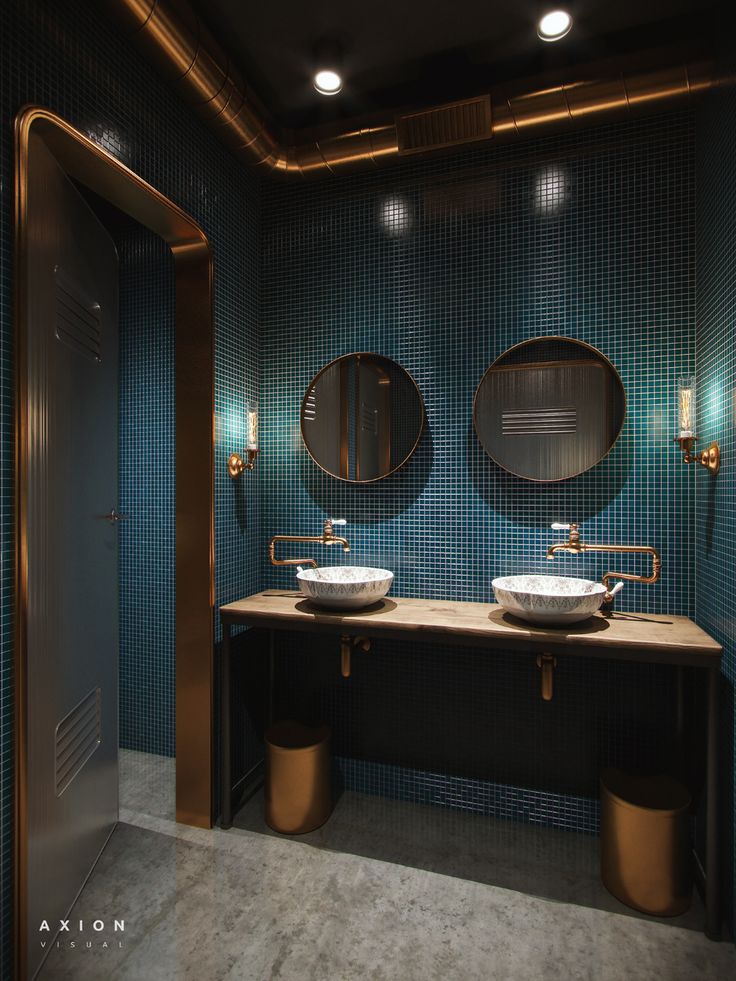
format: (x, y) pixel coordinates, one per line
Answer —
(338, 521)
(616, 589)
(560, 526)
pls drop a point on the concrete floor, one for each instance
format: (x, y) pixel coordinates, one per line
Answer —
(147, 785)
(558, 865)
(384, 892)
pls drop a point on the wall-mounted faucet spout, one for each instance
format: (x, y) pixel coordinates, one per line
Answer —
(326, 538)
(576, 547)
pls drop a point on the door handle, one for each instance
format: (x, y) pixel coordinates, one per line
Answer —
(113, 517)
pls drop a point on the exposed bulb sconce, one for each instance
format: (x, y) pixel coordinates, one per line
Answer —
(710, 457)
(236, 464)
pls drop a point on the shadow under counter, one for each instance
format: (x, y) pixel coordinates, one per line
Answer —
(561, 866)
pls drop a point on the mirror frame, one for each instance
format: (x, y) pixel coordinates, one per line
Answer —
(313, 382)
(536, 340)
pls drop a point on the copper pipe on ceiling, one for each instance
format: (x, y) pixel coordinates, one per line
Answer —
(171, 34)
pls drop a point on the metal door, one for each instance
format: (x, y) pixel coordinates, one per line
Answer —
(373, 422)
(72, 561)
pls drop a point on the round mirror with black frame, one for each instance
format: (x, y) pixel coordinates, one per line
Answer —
(362, 417)
(549, 408)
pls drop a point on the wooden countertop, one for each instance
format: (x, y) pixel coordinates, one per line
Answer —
(649, 637)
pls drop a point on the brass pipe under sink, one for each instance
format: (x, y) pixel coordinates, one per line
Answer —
(547, 664)
(347, 643)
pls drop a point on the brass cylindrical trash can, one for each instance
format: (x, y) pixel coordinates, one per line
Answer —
(645, 846)
(298, 791)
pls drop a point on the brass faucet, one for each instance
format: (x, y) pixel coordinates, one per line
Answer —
(328, 537)
(576, 547)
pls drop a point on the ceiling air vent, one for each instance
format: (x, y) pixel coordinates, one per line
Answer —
(455, 122)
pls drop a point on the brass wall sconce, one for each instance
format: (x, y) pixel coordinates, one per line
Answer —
(236, 462)
(710, 457)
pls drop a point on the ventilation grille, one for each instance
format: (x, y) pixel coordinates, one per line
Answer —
(368, 419)
(77, 318)
(77, 737)
(455, 122)
(528, 422)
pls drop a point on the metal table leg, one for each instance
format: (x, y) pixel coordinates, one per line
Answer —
(712, 884)
(226, 783)
(271, 679)
(681, 715)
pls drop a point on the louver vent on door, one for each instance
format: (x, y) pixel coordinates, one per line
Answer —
(369, 419)
(77, 318)
(538, 422)
(77, 737)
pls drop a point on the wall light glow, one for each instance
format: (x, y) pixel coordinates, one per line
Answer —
(396, 216)
(551, 190)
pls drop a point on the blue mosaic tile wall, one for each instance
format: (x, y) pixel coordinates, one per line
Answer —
(467, 728)
(716, 375)
(68, 56)
(442, 264)
(147, 494)
(483, 797)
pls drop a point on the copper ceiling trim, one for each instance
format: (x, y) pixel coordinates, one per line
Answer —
(171, 34)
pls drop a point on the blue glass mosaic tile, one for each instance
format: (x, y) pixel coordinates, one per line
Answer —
(482, 261)
(147, 494)
(716, 377)
(477, 716)
(442, 264)
(502, 801)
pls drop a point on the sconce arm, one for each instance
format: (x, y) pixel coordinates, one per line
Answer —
(236, 465)
(710, 457)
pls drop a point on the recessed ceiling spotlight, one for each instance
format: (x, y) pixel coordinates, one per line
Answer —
(554, 25)
(327, 82)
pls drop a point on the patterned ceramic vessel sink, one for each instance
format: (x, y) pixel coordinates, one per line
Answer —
(549, 599)
(344, 587)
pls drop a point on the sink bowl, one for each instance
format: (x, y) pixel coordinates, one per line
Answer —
(549, 599)
(344, 587)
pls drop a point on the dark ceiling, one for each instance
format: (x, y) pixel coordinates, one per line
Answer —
(406, 53)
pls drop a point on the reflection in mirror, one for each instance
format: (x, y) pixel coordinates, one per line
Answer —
(362, 417)
(549, 408)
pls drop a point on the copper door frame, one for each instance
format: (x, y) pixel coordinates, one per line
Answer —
(194, 371)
